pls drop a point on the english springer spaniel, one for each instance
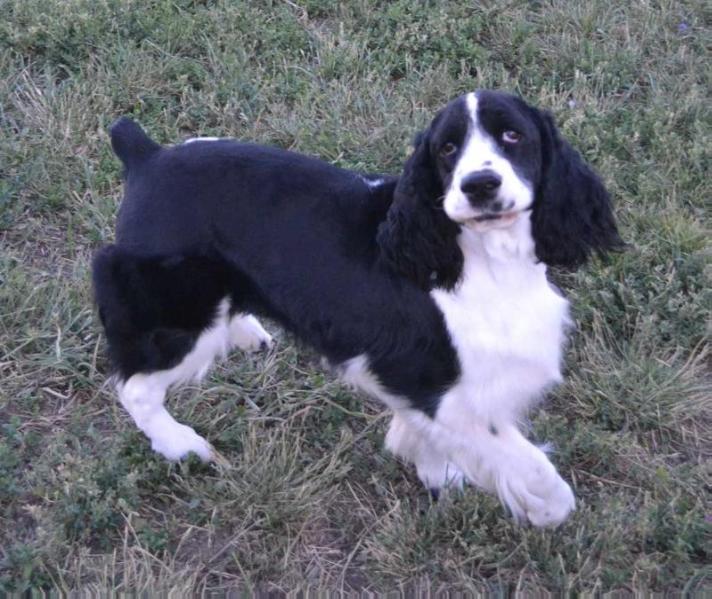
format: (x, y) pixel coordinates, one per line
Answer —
(426, 290)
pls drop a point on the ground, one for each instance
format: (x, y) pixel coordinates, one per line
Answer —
(305, 497)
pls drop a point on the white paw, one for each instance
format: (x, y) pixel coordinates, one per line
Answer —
(247, 333)
(434, 469)
(437, 474)
(534, 491)
(178, 441)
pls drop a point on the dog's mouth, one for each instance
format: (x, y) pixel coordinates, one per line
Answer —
(503, 218)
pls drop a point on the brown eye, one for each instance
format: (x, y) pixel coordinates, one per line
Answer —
(448, 149)
(511, 137)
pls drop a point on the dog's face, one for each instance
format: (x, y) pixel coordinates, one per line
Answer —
(488, 159)
(487, 149)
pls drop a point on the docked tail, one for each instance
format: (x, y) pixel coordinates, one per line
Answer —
(131, 143)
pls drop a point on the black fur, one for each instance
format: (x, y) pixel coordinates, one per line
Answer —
(417, 239)
(154, 308)
(344, 263)
(282, 235)
(131, 144)
(572, 214)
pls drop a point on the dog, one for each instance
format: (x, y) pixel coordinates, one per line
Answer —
(426, 290)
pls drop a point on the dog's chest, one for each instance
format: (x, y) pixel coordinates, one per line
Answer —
(505, 320)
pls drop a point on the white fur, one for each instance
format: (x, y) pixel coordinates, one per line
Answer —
(434, 468)
(506, 321)
(508, 326)
(192, 140)
(247, 333)
(504, 463)
(356, 373)
(143, 395)
(481, 152)
(372, 183)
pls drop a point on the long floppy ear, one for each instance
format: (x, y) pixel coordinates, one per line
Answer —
(417, 239)
(572, 215)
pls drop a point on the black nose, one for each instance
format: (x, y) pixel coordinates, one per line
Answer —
(481, 186)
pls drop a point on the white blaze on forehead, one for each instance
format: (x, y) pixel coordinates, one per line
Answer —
(481, 149)
(483, 152)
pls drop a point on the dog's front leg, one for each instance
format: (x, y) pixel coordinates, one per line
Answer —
(497, 458)
(434, 468)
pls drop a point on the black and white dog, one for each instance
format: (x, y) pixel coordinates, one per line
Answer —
(427, 290)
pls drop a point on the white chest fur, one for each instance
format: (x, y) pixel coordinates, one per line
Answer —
(506, 321)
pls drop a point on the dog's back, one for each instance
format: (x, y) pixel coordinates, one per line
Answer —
(231, 196)
(201, 221)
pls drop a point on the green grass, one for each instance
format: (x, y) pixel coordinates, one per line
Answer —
(306, 497)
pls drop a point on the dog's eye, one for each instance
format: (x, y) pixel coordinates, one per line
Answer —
(511, 137)
(448, 149)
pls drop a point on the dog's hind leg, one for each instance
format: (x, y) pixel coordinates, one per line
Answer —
(166, 320)
(247, 334)
(143, 394)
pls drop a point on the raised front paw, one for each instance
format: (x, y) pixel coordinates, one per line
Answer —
(534, 491)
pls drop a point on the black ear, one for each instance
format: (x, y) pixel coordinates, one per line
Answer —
(417, 239)
(572, 215)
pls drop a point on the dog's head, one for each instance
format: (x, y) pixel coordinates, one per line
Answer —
(487, 159)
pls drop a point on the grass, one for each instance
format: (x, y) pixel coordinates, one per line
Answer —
(306, 498)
